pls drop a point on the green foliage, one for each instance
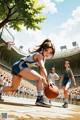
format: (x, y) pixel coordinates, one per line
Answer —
(18, 13)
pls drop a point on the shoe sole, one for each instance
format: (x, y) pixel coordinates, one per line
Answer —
(1, 100)
(43, 105)
(64, 106)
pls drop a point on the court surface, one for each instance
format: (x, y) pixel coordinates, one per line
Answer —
(25, 109)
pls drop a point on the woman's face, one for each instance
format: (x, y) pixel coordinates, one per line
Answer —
(66, 64)
(52, 70)
(47, 53)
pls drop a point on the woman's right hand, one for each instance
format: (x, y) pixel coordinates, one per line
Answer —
(45, 83)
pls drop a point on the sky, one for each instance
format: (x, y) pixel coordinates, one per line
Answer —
(62, 26)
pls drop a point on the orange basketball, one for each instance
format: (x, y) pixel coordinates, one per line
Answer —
(51, 91)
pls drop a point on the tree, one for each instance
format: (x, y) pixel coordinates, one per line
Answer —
(18, 13)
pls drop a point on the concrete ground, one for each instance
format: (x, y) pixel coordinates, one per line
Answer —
(24, 109)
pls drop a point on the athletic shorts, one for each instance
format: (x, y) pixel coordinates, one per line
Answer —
(18, 66)
(65, 81)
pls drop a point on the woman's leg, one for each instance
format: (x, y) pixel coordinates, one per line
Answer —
(33, 75)
(65, 88)
(15, 83)
(28, 74)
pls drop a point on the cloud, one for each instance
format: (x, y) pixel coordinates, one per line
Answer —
(58, 1)
(72, 22)
(29, 39)
(76, 14)
(50, 7)
(69, 32)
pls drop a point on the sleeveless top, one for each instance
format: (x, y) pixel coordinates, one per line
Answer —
(30, 60)
(68, 73)
(52, 77)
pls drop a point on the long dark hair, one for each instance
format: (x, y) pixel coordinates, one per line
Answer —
(45, 45)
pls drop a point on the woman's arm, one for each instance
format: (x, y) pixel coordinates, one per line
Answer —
(56, 77)
(72, 76)
(61, 80)
(43, 71)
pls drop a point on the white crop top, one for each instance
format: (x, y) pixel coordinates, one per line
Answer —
(30, 60)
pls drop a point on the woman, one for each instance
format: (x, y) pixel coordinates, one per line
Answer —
(53, 76)
(24, 68)
(66, 82)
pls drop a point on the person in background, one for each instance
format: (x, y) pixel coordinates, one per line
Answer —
(66, 82)
(24, 68)
(53, 76)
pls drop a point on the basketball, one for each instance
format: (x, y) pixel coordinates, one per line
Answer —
(51, 91)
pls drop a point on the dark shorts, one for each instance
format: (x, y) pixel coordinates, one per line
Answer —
(66, 81)
(18, 66)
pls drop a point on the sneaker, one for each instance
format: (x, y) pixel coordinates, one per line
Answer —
(50, 102)
(65, 105)
(1, 100)
(41, 101)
